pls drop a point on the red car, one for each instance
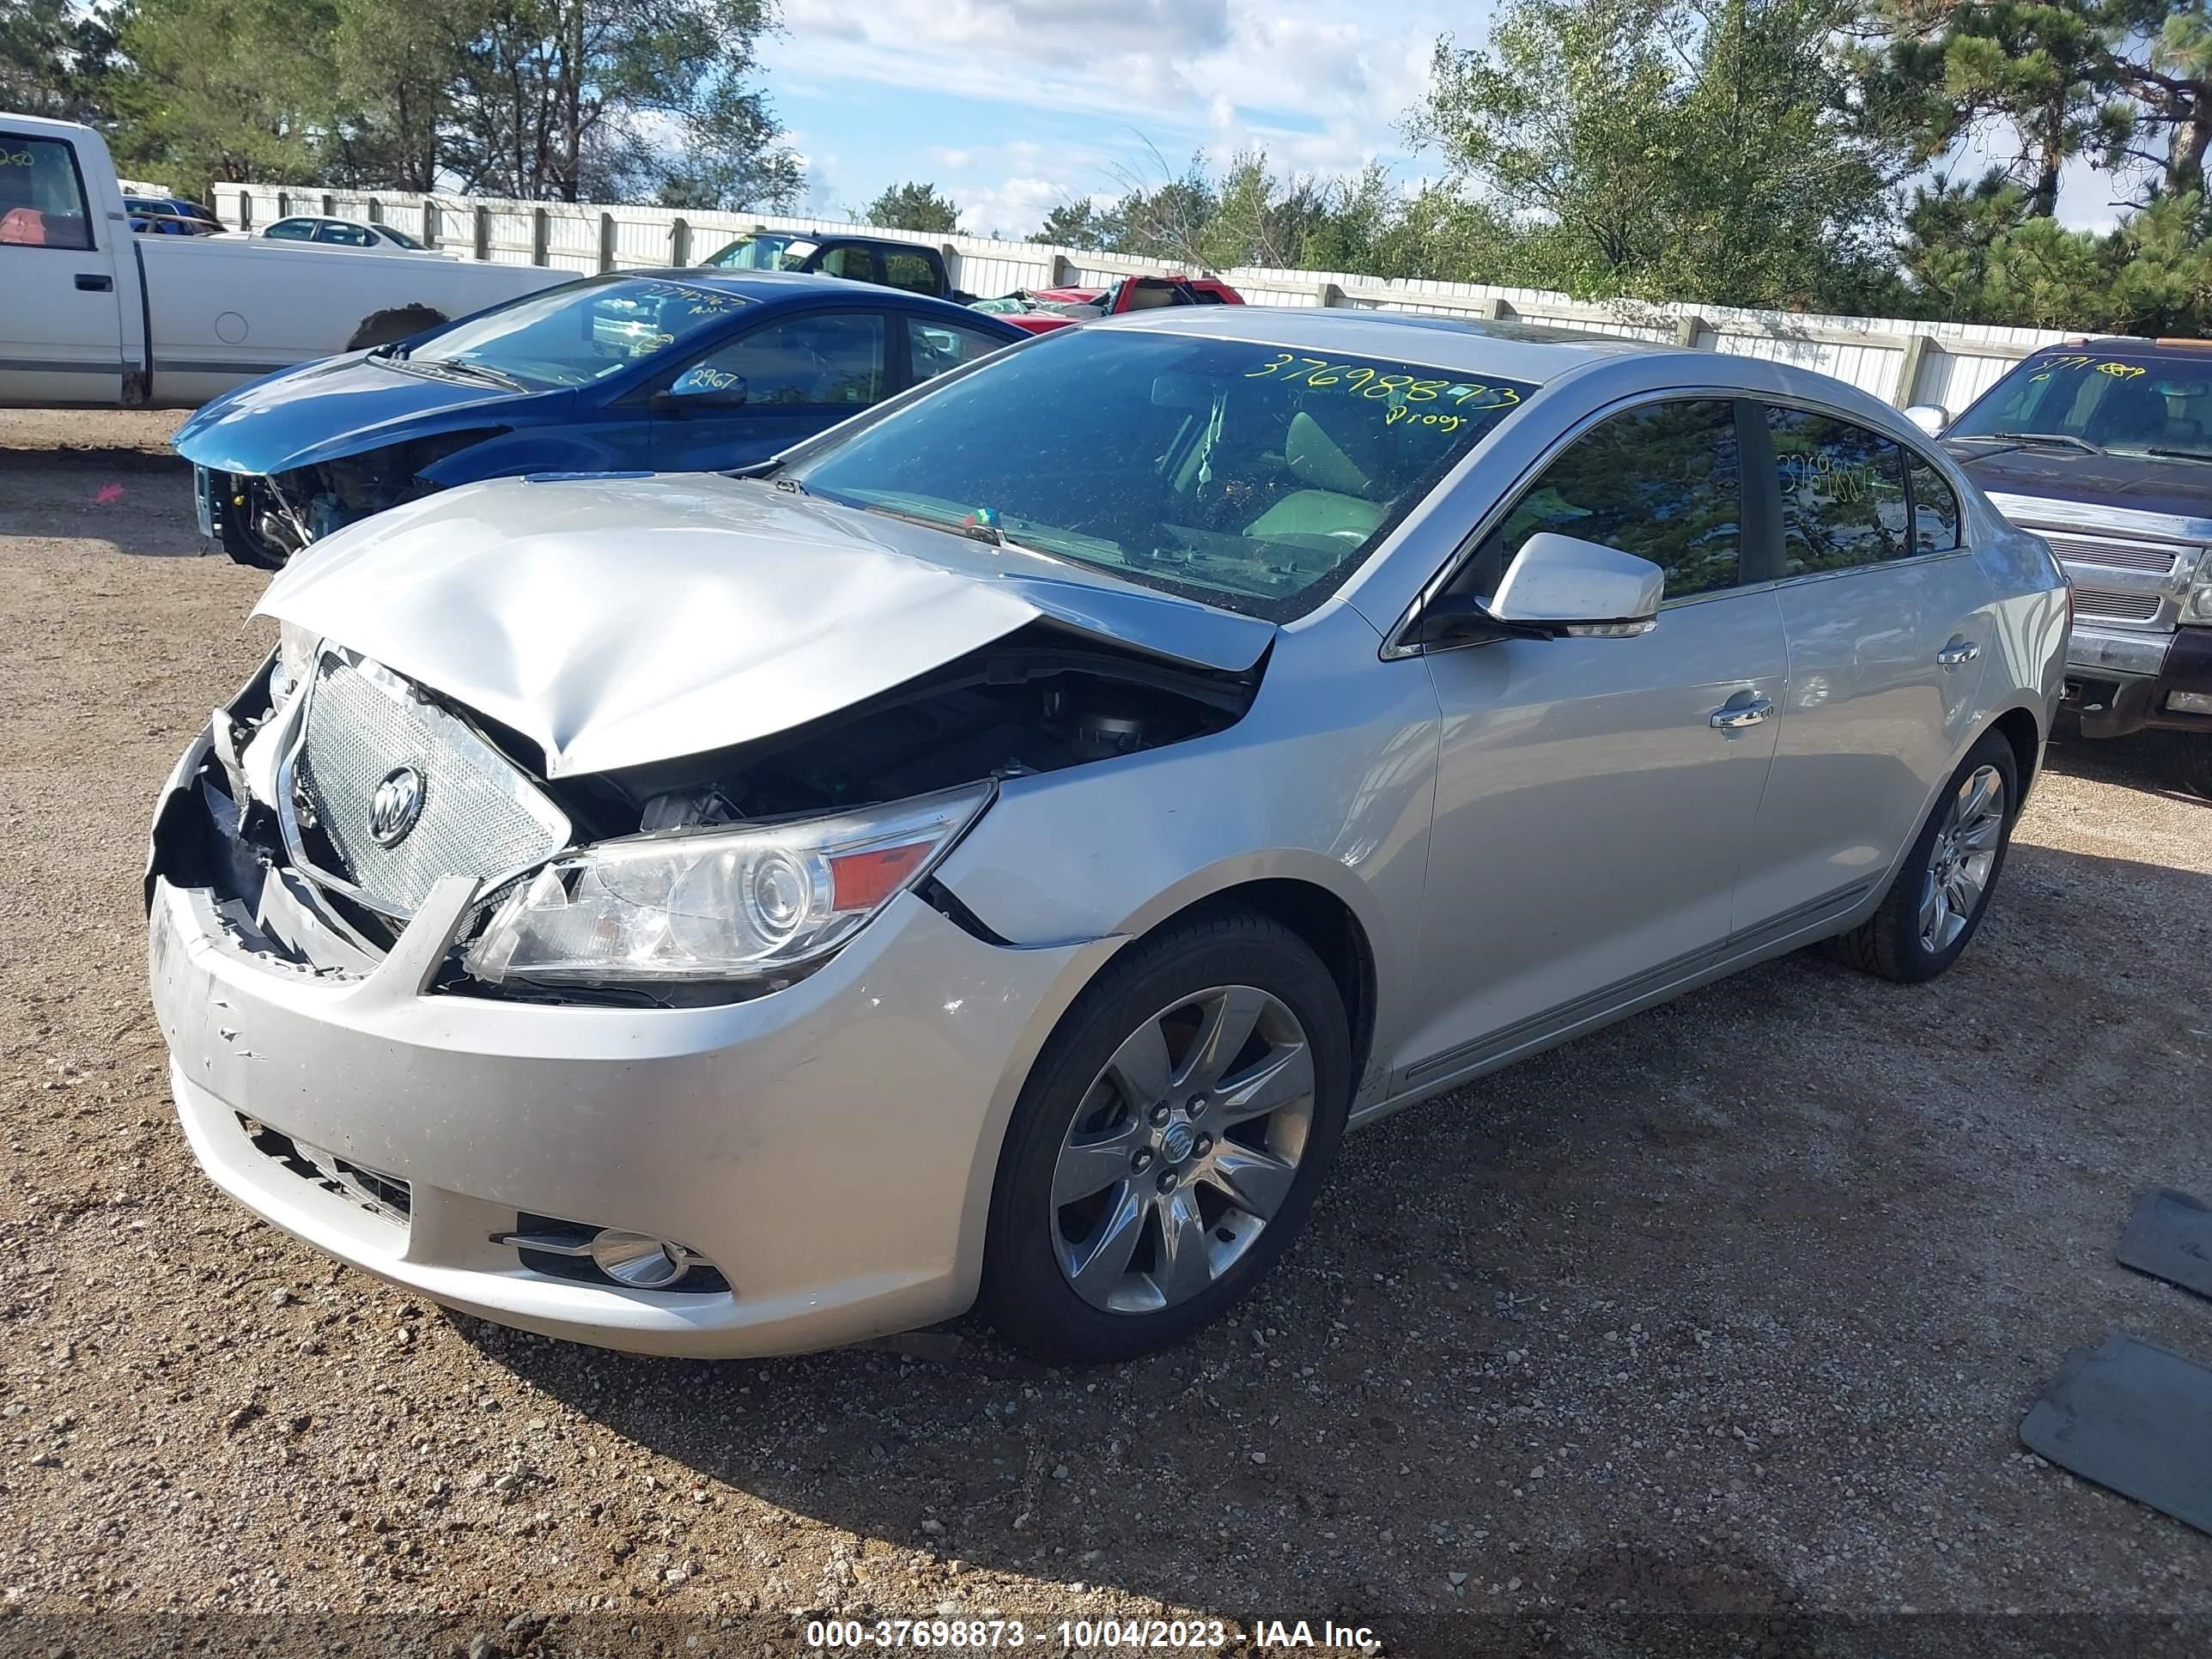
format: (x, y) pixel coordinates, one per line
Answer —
(1042, 309)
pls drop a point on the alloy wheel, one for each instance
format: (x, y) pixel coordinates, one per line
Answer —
(1185, 1145)
(1960, 864)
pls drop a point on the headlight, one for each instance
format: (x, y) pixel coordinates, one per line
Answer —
(718, 904)
(2196, 603)
(295, 657)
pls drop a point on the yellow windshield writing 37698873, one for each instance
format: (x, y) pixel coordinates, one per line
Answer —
(1400, 393)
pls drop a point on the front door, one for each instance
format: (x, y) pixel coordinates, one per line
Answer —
(61, 329)
(1594, 796)
(1887, 617)
(800, 374)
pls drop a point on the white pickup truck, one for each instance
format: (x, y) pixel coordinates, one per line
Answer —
(95, 315)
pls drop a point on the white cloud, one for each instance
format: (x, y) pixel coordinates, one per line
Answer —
(1013, 210)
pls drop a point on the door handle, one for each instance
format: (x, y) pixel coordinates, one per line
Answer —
(94, 282)
(1735, 716)
(1957, 654)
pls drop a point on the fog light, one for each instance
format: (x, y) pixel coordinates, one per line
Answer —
(2189, 702)
(643, 1263)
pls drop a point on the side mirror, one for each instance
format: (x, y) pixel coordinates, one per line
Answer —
(702, 387)
(1564, 585)
(1930, 418)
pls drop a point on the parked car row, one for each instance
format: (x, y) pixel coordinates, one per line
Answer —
(890, 812)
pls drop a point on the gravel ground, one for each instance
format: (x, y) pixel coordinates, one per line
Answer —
(1708, 1334)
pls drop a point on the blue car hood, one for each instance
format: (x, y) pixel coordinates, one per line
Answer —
(344, 405)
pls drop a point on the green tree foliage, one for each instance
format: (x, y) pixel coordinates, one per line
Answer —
(224, 90)
(913, 206)
(1665, 147)
(53, 56)
(558, 100)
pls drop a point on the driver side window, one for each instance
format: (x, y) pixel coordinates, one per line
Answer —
(833, 359)
(1662, 481)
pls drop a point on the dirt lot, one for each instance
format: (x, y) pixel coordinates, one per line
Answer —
(1710, 1333)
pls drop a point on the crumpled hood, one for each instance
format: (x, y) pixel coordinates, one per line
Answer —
(621, 621)
(346, 405)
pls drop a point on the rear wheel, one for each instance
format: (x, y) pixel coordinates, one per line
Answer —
(1169, 1143)
(1942, 890)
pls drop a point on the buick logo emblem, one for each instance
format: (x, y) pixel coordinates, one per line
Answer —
(398, 804)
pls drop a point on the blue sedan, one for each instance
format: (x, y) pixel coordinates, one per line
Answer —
(663, 371)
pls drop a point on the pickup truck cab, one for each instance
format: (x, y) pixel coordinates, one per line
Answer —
(1039, 311)
(2104, 448)
(96, 315)
(911, 267)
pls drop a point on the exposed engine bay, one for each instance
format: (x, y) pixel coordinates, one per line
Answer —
(265, 521)
(1039, 701)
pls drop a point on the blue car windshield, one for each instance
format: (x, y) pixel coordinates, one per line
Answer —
(1249, 475)
(581, 333)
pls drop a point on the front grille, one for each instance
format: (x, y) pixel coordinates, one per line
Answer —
(2116, 556)
(2115, 607)
(477, 814)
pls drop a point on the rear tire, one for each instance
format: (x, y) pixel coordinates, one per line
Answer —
(1169, 1142)
(1941, 892)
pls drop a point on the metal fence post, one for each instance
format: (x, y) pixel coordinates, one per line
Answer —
(1062, 274)
(679, 241)
(484, 232)
(541, 236)
(283, 205)
(244, 208)
(606, 240)
(1687, 327)
(1328, 294)
(429, 222)
(1908, 370)
(330, 205)
(375, 211)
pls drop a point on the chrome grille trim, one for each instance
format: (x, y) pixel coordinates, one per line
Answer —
(481, 815)
(2116, 555)
(2116, 607)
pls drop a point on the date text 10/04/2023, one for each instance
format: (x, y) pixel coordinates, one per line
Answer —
(1200, 1633)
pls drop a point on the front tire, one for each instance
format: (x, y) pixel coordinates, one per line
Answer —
(1941, 892)
(1169, 1143)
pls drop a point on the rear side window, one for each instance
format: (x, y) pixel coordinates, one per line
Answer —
(1842, 493)
(1935, 508)
(935, 347)
(855, 264)
(833, 358)
(1663, 480)
(41, 197)
(345, 236)
(911, 271)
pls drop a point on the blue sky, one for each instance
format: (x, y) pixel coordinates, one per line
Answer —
(1012, 106)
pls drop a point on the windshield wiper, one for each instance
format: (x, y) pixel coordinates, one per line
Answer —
(2180, 454)
(2066, 438)
(471, 372)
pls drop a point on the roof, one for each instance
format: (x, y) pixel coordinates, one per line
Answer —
(1517, 351)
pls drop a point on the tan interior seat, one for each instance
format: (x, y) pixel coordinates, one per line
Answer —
(1333, 503)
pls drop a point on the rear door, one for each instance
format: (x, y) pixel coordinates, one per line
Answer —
(802, 374)
(1888, 618)
(61, 328)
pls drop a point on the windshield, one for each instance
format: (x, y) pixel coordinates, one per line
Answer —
(763, 253)
(1251, 476)
(2137, 400)
(580, 333)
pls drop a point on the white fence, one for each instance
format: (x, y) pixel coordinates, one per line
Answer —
(1906, 362)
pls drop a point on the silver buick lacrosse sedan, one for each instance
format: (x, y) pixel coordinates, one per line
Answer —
(992, 853)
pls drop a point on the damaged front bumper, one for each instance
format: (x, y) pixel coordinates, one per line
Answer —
(829, 1147)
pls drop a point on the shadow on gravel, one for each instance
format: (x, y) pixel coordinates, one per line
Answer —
(2135, 762)
(1639, 1341)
